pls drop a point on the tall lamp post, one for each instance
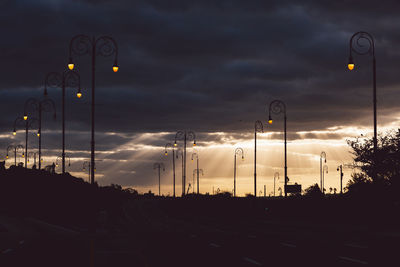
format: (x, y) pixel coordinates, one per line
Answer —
(277, 107)
(276, 176)
(321, 172)
(238, 151)
(159, 166)
(359, 48)
(45, 105)
(61, 158)
(15, 148)
(169, 145)
(63, 80)
(104, 46)
(340, 168)
(325, 170)
(185, 136)
(258, 127)
(28, 124)
(198, 170)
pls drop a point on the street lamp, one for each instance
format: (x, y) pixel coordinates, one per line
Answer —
(277, 107)
(340, 168)
(104, 46)
(185, 136)
(322, 157)
(159, 166)
(357, 46)
(28, 124)
(258, 127)
(61, 158)
(198, 170)
(15, 148)
(63, 80)
(323, 178)
(238, 151)
(169, 145)
(45, 105)
(34, 157)
(276, 176)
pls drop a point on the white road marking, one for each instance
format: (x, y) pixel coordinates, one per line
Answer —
(214, 245)
(356, 246)
(353, 260)
(7, 251)
(288, 245)
(252, 261)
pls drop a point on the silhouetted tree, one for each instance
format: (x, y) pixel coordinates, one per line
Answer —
(313, 191)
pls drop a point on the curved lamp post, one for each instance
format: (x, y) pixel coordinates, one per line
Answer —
(63, 80)
(359, 48)
(184, 136)
(28, 125)
(15, 148)
(198, 170)
(102, 46)
(277, 107)
(238, 151)
(276, 176)
(169, 145)
(159, 166)
(45, 105)
(258, 127)
(321, 172)
(325, 170)
(61, 159)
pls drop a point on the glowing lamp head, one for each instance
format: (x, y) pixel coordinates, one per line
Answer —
(94, 169)
(23, 155)
(56, 164)
(41, 160)
(7, 156)
(175, 144)
(79, 94)
(166, 153)
(14, 132)
(38, 134)
(25, 117)
(28, 160)
(194, 144)
(115, 67)
(71, 64)
(270, 119)
(350, 65)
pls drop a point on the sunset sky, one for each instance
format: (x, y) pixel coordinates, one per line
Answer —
(207, 66)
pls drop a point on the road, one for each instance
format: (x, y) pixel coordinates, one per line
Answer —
(159, 239)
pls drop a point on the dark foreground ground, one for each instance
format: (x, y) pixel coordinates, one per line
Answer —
(55, 220)
(160, 233)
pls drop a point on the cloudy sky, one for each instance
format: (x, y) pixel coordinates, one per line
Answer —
(207, 66)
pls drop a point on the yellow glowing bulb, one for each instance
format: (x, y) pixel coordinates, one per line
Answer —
(38, 134)
(166, 153)
(95, 169)
(57, 165)
(7, 157)
(41, 160)
(23, 155)
(14, 133)
(115, 68)
(28, 160)
(79, 94)
(175, 144)
(270, 121)
(71, 66)
(194, 144)
(25, 117)
(350, 66)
